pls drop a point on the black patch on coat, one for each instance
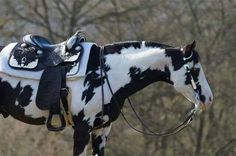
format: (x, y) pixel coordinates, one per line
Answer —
(81, 133)
(178, 61)
(117, 47)
(139, 80)
(202, 97)
(98, 121)
(93, 79)
(96, 141)
(195, 74)
(156, 45)
(177, 55)
(22, 95)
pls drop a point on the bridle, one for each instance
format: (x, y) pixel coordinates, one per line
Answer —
(148, 131)
(193, 83)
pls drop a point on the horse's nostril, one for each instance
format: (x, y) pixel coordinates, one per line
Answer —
(202, 98)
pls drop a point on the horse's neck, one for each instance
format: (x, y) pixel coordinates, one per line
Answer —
(135, 68)
(146, 58)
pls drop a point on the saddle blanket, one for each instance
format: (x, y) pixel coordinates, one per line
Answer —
(36, 75)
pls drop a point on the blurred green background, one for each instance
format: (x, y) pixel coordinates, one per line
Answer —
(211, 23)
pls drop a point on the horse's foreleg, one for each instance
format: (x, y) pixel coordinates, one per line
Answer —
(99, 138)
(81, 136)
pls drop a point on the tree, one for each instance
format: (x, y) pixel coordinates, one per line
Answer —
(211, 23)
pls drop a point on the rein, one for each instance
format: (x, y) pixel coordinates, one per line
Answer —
(149, 132)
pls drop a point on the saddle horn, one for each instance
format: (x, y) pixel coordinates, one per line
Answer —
(74, 40)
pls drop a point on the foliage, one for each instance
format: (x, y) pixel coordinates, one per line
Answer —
(211, 23)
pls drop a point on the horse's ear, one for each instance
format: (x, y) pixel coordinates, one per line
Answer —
(193, 44)
(189, 48)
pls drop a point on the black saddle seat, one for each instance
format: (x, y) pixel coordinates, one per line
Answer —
(43, 43)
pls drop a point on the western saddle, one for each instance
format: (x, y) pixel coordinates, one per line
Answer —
(37, 53)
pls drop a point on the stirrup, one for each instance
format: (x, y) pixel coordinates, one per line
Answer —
(53, 126)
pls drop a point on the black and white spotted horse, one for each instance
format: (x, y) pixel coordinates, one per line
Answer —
(130, 66)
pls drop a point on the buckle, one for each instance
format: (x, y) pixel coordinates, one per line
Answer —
(65, 89)
(64, 92)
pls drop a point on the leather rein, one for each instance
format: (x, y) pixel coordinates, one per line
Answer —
(190, 116)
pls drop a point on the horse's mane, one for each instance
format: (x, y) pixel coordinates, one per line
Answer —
(117, 46)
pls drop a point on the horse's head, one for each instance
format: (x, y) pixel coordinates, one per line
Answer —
(188, 77)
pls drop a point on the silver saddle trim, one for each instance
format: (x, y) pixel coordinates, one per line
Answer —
(77, 71)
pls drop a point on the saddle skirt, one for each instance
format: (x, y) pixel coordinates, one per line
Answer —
(9, 65)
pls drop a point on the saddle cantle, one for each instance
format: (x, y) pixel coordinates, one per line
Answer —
(36, 53)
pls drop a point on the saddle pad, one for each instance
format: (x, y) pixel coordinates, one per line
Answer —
(77, 71)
